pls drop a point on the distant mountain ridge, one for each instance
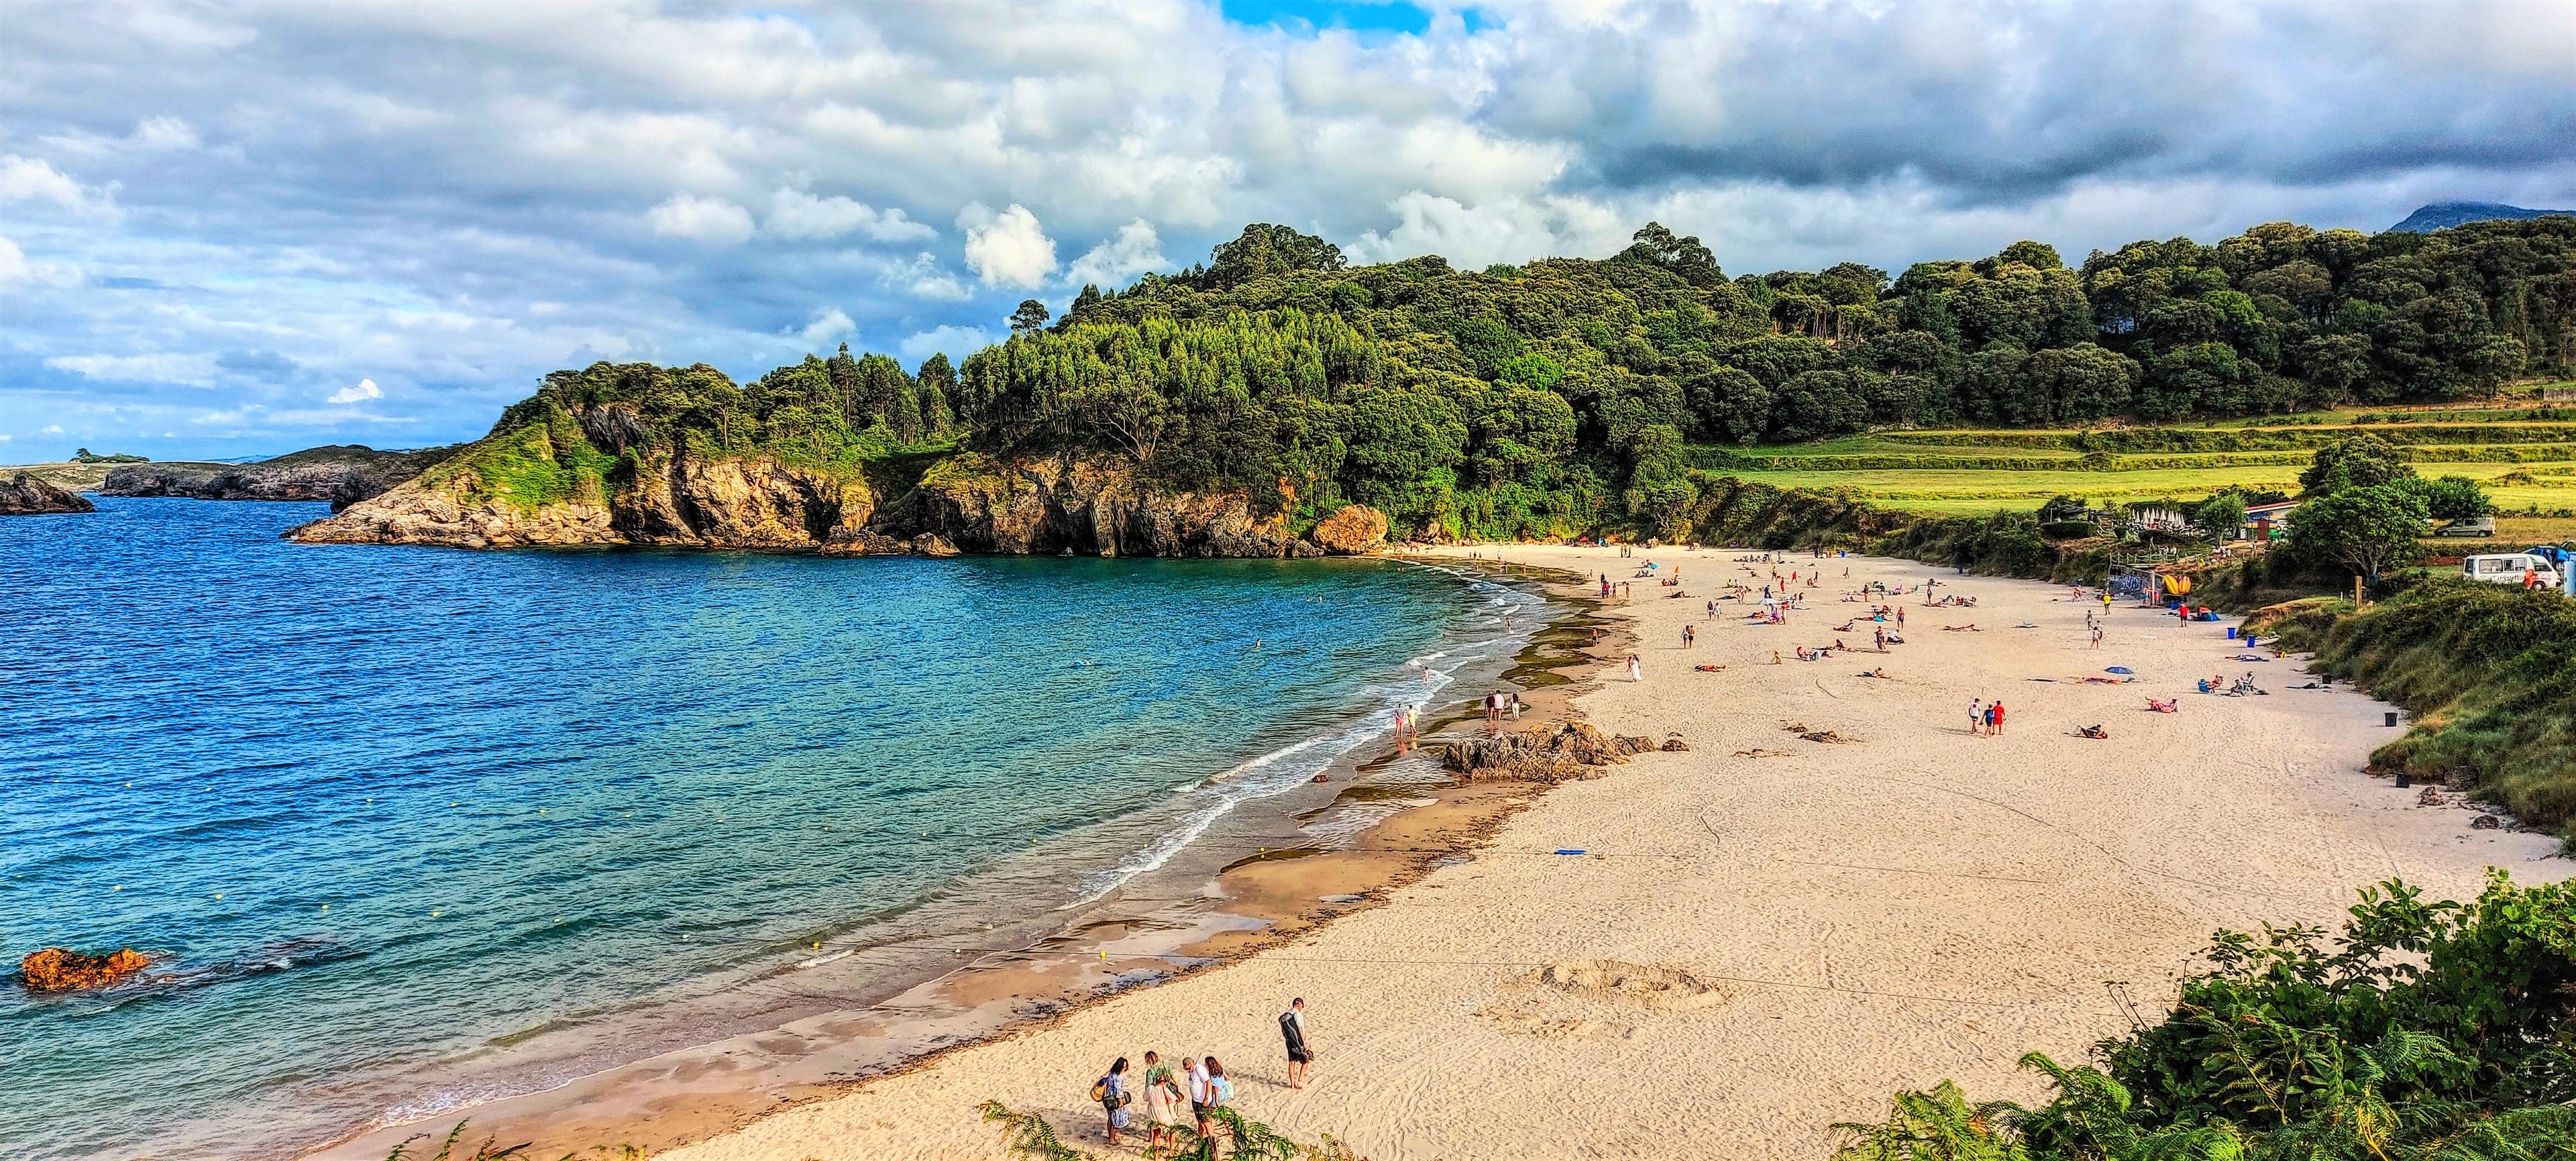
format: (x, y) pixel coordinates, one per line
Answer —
(2444, 215)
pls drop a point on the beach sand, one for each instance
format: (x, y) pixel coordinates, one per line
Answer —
(1767, 934)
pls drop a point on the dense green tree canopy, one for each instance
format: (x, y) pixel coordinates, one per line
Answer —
(1563, 395)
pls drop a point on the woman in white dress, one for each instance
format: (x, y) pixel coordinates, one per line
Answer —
(1162, 1102)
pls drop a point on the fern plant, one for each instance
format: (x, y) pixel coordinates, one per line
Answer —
(1028, 1134)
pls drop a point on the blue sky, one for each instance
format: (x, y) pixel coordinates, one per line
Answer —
(379, 221)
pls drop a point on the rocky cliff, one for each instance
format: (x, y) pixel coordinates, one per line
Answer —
(596, 475)
(552, 488)
(1086, 506)
(27, 495)
(341, 475)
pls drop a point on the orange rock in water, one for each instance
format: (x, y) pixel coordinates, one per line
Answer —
(57, 970)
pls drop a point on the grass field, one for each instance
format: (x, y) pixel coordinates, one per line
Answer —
(2526, 458)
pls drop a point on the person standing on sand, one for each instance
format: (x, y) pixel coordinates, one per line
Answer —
(1292, 1028)
(1686, 637)
(1162, 1103)
(1995, 714)
(1976, 716)
(2097, 636)
(1636, 668)
(1202, 1094)
(1111, 1092)
(1516, 705)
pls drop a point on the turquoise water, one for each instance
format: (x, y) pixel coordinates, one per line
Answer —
(372, 808)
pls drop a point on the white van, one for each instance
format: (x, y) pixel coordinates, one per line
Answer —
(2507, 568)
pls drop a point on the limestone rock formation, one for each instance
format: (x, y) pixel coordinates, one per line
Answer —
(57, 970)
(1355, 529)
(1575, 750)
(26, 495)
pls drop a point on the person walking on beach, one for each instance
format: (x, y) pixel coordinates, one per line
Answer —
(1976, 716)
(2097, 636)
(1636, 668)
(1292, 1028)
(1686, 637)
(1162, 1103)
(1515, 695)
(1995, 718)
(1111, 1092)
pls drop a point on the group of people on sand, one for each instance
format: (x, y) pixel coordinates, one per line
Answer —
(1195, 1091)
(1500, 703)
(1986, 718)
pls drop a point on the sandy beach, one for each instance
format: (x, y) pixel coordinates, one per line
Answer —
(1766, 934)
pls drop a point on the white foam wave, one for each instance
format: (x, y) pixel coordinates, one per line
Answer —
(1298, 762)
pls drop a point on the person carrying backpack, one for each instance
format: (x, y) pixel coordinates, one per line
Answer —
(1292, 1029)
(1111, 1092)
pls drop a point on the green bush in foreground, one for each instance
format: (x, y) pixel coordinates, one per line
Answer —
(2431, 1031)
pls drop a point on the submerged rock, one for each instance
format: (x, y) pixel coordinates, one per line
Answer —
(26, 495)
(59, 970)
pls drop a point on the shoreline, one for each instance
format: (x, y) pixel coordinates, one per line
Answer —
(1211, 905)
(1816, 923)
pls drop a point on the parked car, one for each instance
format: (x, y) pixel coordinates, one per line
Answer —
(2473, 526)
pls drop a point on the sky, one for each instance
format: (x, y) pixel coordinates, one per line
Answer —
(242, 228)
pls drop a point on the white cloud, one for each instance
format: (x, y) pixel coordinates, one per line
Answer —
(828, 325)
(1008, 248)
(164, 132)
(955, 341)
(191, 370)
(702, 219)
(1135, 249)
(365, 390)
(13, 264)
(52, 429)
(924, 277)
(30, 179)
(795, 214)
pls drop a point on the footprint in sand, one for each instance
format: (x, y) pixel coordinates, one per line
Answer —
(1665, 989)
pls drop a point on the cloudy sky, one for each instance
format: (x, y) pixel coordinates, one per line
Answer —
(242, 228)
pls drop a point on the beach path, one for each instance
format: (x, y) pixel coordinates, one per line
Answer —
(1767, 933)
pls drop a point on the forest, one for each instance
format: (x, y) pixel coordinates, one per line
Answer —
(1559, 397)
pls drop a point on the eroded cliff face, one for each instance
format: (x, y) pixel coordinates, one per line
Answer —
(539, 488)
(586, 480)
(1085, 506)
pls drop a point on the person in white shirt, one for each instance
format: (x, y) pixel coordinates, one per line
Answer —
(1202, 1093)
(1301, 1055)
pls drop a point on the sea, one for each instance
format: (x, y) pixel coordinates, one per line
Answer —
(374, 810)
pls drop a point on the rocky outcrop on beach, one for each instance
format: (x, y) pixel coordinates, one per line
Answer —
(340, 475)
(1570, 752)
(58, 970)
(27, 495)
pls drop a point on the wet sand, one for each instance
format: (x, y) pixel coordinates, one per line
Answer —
(1768, 933)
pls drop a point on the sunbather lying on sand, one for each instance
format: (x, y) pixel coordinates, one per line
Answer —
(2091, 732)
(1707, 668)
(2164, 707)
(1961, 629)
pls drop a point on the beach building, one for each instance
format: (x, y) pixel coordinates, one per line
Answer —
(2265, 521)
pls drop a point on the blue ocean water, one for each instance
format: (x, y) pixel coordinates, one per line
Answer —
(371, 807)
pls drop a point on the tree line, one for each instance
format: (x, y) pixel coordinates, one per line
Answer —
(1562, 395)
